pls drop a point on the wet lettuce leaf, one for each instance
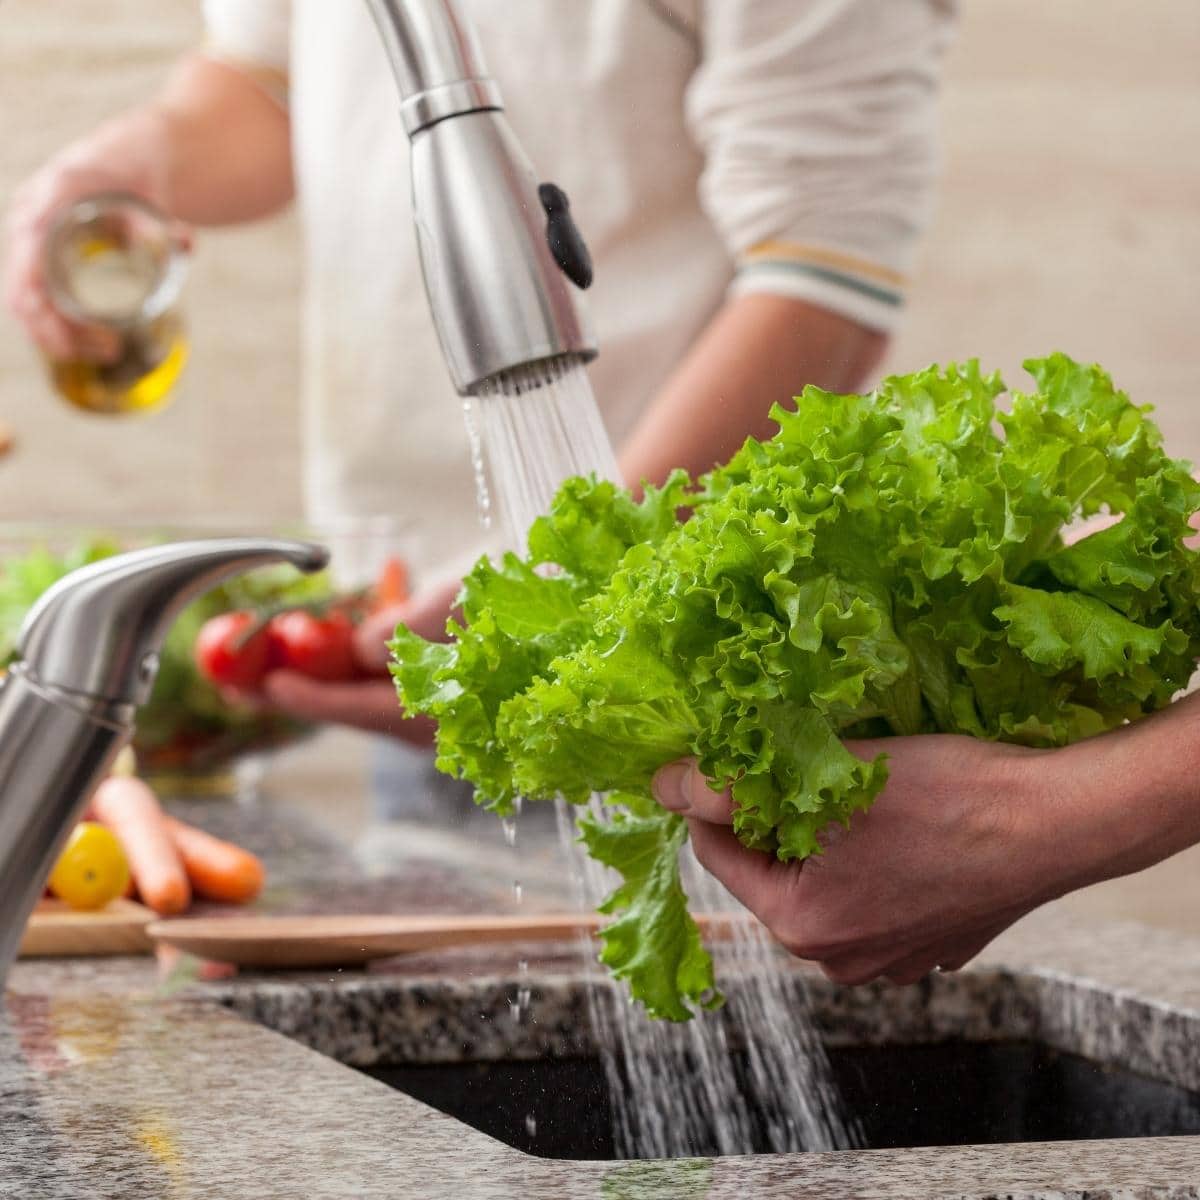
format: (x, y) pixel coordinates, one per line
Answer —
(891, 563)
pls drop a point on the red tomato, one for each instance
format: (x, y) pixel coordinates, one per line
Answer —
(228, 653)
(320, 647)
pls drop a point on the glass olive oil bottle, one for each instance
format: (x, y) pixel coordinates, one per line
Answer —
(115, 264)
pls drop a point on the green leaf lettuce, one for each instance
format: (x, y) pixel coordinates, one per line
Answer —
(892, 563)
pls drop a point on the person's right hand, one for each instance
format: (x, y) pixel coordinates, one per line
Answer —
(966, 837)
(128, 154)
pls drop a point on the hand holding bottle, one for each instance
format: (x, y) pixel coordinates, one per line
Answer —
(129, 154)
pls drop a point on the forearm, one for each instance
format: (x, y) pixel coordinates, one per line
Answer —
(758, 350)
(218, 146)
(1131, 798)
(231, 157)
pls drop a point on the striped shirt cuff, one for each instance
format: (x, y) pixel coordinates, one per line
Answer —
(863, 291)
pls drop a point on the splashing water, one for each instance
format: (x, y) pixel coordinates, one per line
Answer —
(676, 1091)
(536, 426)
(674, 1088)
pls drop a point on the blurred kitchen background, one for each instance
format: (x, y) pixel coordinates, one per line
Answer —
(1069, 219)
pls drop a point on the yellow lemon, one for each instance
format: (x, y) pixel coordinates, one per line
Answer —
(92, 869)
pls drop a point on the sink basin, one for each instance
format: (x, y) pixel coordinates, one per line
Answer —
(985, 1056)
(937, 1094)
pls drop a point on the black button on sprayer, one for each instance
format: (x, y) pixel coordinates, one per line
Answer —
(565, 241)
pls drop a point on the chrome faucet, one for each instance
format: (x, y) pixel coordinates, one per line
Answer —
(87, 658)
(501, 254)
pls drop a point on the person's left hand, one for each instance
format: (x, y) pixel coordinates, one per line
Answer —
(963, 840)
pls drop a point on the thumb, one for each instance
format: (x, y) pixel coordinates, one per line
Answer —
(425, 614)
(372, 636)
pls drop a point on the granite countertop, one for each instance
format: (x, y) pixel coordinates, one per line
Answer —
(120, 1080)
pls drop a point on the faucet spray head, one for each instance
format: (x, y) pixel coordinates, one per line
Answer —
(501, 254)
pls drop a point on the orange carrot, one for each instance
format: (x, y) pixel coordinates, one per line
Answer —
(218, 870)
(131, 810)
(391, 588)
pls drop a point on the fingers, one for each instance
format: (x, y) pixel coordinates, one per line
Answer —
(25, 292)
(767, 887)
(1193, 542)
(27, 298)
(85, 168)
(370, 705)
(950, 953)
(759, 881)
(681, 788)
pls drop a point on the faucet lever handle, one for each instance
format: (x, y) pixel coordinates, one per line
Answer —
(563, 237)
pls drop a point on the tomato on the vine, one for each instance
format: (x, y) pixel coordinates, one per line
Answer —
(319, 647)
(231, 652)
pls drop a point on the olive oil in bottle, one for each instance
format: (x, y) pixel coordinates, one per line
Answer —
(141, 378)
(115, 266)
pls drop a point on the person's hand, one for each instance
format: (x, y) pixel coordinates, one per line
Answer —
(129, 154)
(964, 839)
(369, 703)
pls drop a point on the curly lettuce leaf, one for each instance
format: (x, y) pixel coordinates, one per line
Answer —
(653, 942)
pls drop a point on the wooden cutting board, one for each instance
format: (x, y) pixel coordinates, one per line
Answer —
(57, 931)
(329, 941)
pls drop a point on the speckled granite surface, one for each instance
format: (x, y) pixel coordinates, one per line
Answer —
(116, 1082)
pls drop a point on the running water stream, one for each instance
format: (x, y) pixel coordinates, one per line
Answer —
(674, 1088)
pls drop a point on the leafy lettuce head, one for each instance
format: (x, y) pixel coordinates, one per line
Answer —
(892, 563)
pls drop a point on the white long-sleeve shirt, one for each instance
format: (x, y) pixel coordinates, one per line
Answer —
(707, 146)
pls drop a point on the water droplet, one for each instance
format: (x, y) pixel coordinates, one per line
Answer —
(518, 891)
(483, 497)
(531, 1124)
(509, 825)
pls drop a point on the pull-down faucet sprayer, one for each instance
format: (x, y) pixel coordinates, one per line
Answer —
(500, 251)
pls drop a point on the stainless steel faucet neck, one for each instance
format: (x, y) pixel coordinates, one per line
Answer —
(436, 59)
(97, 632)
